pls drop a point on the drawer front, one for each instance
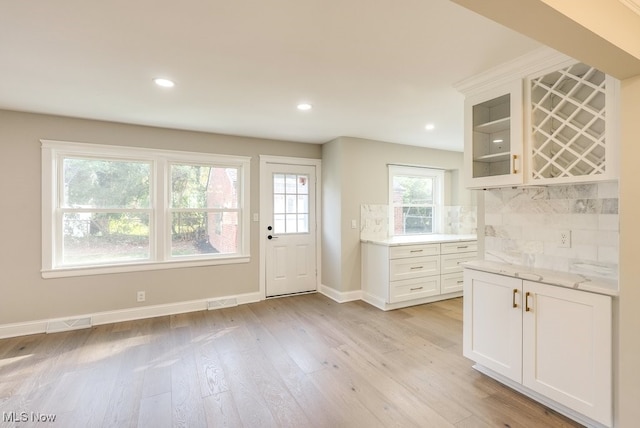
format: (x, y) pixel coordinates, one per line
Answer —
(420, 250)
(459, 247)
(413, 267)
(451, 282)
(410, 289)
(451, 262)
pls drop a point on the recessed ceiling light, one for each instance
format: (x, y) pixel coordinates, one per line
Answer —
(165, 83)
(304, 106)
(498, 141)
(429, 127)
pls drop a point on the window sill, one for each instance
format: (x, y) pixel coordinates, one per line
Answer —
(138, 267)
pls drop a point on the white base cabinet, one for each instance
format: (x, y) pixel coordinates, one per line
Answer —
(396, 276)
(551, 343)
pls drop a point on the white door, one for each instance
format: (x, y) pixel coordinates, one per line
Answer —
(567, 348)
(492, 329)
(290, 232)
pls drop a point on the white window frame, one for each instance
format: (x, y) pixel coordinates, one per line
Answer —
(53, 152)
(438, 193)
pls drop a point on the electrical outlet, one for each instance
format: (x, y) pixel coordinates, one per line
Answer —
(564, 239)
(141, 296)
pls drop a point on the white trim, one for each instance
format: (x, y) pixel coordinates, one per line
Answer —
(515, 69)
(340, 296)
(381, 304)
(129, 314)
(139, 267)
(264, 215)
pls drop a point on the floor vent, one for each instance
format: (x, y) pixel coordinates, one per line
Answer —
(222, 303)
(67, 325)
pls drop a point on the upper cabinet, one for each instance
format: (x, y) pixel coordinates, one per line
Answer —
(571, 122)
(493, 136)
(542, 119)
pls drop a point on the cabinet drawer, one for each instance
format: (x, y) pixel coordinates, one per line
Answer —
(420, 250)
(451, 262)
(413, 267)
(451, 282)
(410, 289)
(459, 247)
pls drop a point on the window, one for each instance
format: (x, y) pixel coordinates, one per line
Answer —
(290, 203)
(415, 200)
(113, 209)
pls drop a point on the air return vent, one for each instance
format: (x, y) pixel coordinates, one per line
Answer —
(67, 325)
(222, 303)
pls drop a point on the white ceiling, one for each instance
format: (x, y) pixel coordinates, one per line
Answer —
(377, 69)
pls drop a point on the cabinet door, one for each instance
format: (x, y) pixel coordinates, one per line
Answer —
(494, 137)
(492, 329)
(567, 348)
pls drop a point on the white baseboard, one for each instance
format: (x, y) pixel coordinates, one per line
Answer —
(340, 296)
(129, 314)
(381, 304)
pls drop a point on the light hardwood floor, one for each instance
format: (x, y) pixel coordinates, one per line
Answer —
(301, 361)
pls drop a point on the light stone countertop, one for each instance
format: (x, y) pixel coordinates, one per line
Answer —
(419, 239)
(562, 279)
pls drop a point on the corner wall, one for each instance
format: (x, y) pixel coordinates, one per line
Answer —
(362, 167)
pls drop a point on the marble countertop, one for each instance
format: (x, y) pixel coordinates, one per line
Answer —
(562, 279)
(419, 239)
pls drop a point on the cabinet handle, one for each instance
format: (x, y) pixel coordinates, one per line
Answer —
(416, 251)
(526, 302)
(461, 281)
(416, 267)
(515, 157)
(515, 291)
(463, 247)
(417, 288)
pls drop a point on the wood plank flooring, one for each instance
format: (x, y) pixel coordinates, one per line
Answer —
(301, 361)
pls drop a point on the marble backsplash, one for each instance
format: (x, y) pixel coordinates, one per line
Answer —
(522, 227)
(457, 220)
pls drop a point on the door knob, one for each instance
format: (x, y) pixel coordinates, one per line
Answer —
(272, 237)
(269, 228)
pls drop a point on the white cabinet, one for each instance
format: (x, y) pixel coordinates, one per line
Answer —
(549, 342)
(493, 136)
(554, 121)
(493, 322)
(403, 275)
(571, 125)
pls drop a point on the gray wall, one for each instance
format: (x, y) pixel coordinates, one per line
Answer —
(355, 173)
(25, 296)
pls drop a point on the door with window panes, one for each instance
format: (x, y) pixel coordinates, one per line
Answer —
(291, 232)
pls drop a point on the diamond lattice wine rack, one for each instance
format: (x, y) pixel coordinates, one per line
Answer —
(568, 123)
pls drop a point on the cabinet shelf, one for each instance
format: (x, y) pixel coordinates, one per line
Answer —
(494, 157)
(493, 126)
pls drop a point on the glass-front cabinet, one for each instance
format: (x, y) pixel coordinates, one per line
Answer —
(493, 137)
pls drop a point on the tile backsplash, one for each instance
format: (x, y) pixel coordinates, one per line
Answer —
(523, 226)
(457, 220)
